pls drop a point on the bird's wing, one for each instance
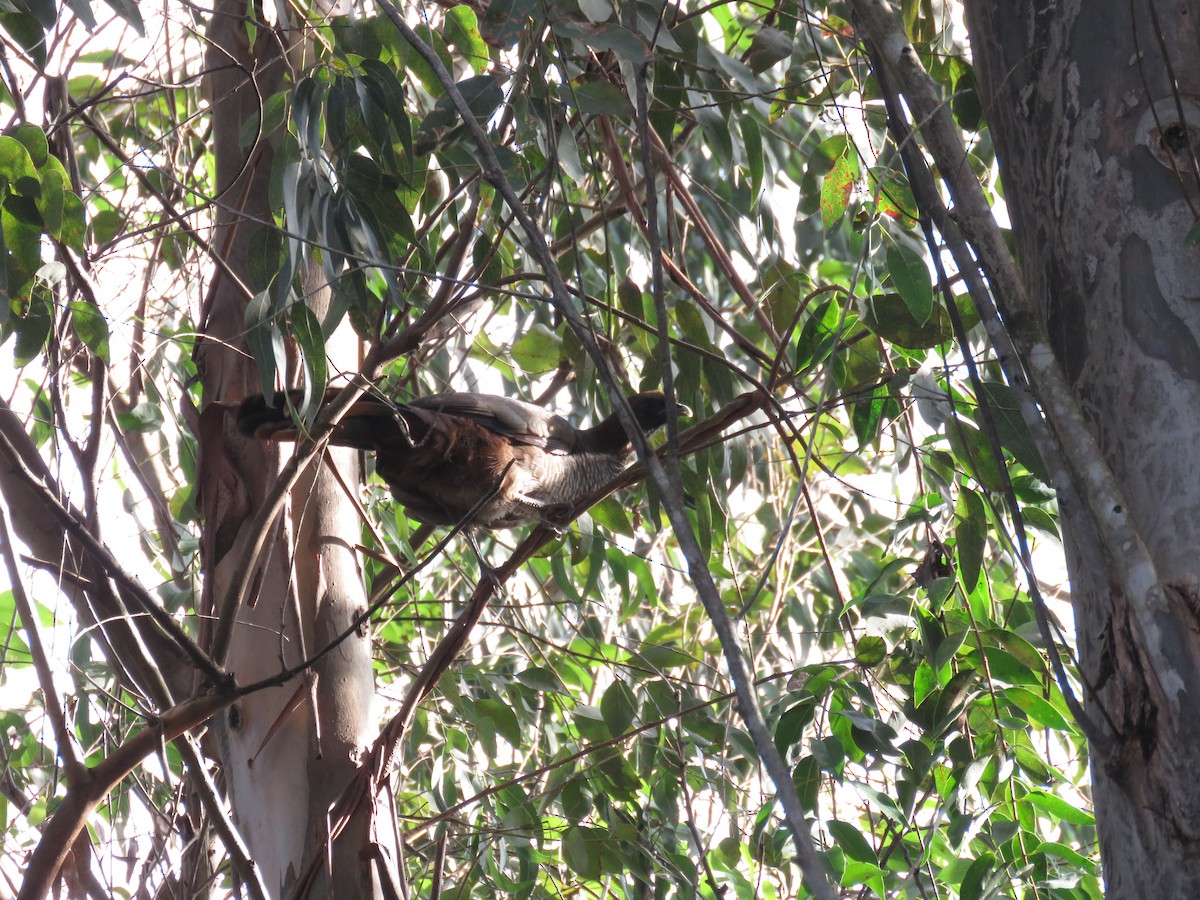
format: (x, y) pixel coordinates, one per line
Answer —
(515, 419)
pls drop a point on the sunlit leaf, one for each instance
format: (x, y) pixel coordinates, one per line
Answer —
(836, 188)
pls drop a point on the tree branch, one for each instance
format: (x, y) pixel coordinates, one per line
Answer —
(96, 782)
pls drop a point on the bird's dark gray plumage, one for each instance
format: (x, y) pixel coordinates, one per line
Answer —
(441, 455)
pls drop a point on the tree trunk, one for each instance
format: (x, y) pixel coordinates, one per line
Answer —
(287, 752)
(1084, 103)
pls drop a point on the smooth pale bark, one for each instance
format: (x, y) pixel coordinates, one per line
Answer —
(1103, 187)
(286, 752)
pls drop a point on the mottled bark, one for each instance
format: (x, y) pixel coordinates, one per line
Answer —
(1101, 181)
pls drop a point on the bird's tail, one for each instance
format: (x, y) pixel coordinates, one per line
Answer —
(270, 418)
(369, 423)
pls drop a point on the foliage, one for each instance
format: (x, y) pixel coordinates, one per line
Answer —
(857, 530)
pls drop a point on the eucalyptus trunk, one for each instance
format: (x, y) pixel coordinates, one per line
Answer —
(287, 752)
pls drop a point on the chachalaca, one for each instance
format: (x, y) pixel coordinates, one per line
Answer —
(442, 455)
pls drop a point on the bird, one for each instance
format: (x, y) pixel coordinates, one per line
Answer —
(473, 460)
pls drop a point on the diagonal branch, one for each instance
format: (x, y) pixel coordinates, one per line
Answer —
(25, 486)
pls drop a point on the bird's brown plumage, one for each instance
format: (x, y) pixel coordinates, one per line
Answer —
(441, 456)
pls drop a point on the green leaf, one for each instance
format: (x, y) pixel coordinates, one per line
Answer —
(974, 453)
(948, 648)
(504, 20)
(274, 113)
(1023, 651)
(818, 336)
(893, 197)
(605, 36)
(1059, 809)
(1037, 708)
(790, 727)
(581, 851)
(910, 275)
(106, 225)
(74, 225)
(33, 139)
(265, 340)
(970, 532)
(128, 10)
(540, 679)
(595, 98)
(503, 718)
(50, 201)
(83, 11)
(461, 31)
(483, 95)
(590, 722)
(884, 803)
(938, 590)
(1005, 668)
(753, 147)
(537, 350)
(807, 778)
(890, 317)
(1011, 429)
(610, 514)
(619, 707)
(31, 328)
(146, 418)
(91, 327)
(870, 651)
(867, 415)
(307, 331)
(1038, 518)
(835, 190)
(1062, 851)
(768, 47)
(851, 842)
(27, 32)
(977, 875)
(16, 166)
(965, 104)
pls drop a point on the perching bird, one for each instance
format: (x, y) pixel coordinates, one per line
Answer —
(441, 456)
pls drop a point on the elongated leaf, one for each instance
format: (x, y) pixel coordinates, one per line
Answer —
(307, 332)
(911, 277)
(265, 340)
(1014, 434)
(461, 32)
(970, 532)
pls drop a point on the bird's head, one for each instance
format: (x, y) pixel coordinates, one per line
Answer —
(652, 410)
